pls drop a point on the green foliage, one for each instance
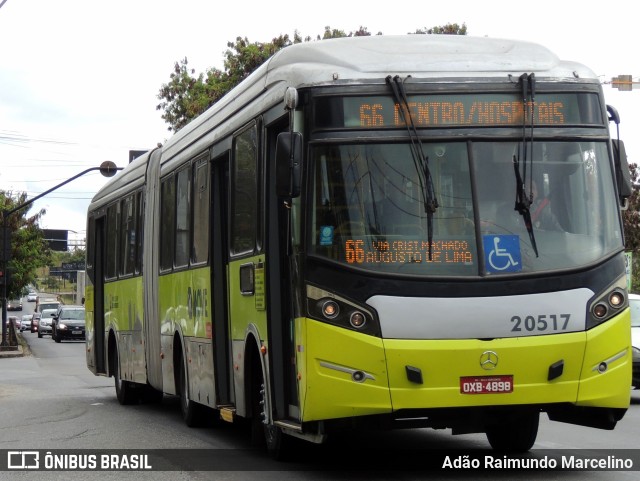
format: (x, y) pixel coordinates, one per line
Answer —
(29, 250)
(448, 29)
(58, 258)
(187, 95)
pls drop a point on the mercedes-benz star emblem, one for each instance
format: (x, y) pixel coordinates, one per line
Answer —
(488, 360)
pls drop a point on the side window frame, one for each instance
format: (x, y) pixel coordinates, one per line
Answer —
(201, 210)
(245, 191)
(167, 225)
(112, 229)
(182, 229)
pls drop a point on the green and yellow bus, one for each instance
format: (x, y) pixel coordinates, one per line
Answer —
(410, 231)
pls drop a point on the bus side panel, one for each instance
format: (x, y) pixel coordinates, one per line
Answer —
(185, 308)
(341, 373)
(247, 313)
(123, 301)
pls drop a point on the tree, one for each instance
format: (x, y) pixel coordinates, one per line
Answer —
(28, 250)
(448, 29)
(631, 222)
(187, 95)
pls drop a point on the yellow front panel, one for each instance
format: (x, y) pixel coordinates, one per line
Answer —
(444, 362)
(327, 356)
(607, 341)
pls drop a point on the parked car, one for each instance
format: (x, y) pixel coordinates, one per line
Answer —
(634, 304)
(68, 323)
(25, 323)
(32, 296)
(14, 305)
(44, 325)
(35, 321)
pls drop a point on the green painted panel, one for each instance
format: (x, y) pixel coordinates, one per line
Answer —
(185, 300)
(247, 309)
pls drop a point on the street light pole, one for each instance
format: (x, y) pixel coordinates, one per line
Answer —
(107, 169)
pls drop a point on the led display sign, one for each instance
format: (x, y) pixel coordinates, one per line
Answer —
(459, 110)
(408, 251)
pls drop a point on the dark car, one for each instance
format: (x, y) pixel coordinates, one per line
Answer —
(68, 323)
(14, 305)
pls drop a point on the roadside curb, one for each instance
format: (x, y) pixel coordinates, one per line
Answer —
(22, 348)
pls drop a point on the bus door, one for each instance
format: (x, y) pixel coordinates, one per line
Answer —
(95, 304)
(281, 284)
(219, 297)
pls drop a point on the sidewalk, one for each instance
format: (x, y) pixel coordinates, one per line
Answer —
(15, 351)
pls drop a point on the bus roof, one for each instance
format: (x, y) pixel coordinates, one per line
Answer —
(367, 60)
(422, 56)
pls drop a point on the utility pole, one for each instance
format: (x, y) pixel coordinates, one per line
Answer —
(107, 169)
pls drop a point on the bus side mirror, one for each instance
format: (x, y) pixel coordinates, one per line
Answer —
(623, 176)
(288, 162)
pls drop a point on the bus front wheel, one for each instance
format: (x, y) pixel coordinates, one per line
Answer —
(124, 390)
(279, 445)
(517, 435)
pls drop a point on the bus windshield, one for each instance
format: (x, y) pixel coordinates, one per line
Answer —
(369, 207)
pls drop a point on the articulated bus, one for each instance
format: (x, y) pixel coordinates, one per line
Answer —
(375, 232)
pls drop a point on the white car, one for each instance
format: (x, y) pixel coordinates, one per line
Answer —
(44, 325)
(634, 304)
(25, 322)
(32, 297)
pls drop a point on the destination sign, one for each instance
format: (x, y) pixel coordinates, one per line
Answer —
(458, 110)
(408, 251)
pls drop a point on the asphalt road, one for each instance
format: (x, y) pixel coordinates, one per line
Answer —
(50, 400)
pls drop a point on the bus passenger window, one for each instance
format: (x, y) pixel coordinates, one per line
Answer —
(244, 194)
(111, 271)
(182, 217)
(201, 212)
(168, 215)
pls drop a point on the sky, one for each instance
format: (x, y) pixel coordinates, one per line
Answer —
(79, 79)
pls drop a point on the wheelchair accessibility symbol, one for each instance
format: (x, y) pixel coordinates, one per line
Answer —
(502, 253)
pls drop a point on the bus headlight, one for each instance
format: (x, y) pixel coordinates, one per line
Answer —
(608, 304)
(328, 307)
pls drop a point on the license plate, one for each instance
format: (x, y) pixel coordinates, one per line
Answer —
(76, 332)
(486, 384)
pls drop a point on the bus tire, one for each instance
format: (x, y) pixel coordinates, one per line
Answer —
(191, 410)
(278, 444)
(518, 435)
(125, 391)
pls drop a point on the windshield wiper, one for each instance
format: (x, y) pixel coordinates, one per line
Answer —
(420, 161)
(523, 203)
